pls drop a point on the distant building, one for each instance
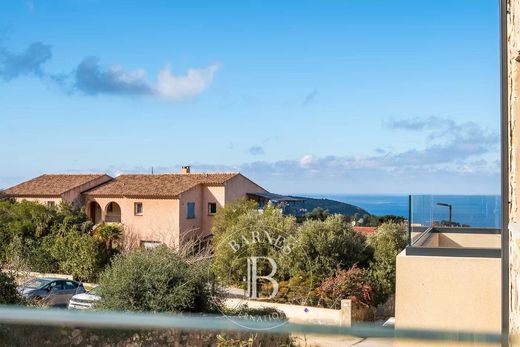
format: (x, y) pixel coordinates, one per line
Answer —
(365, 230)
(154, 209)
(53, 189)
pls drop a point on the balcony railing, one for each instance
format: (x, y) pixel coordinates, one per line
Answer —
(112, 219)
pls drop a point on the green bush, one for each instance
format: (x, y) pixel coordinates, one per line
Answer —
(228, 215)
(79, 255)
(8, 293)
(324, 246)
(108, 233)
(49, 239)
(389, 240)
(250, 234)
(157, 280)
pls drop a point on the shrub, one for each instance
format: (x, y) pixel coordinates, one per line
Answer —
(387, 243)
(49, 239)
(79, 254)
(353, 284)
(324, 246)
(317, 214)
(228, 215)
(8, 293)
(251, 234)
(157, 280)
(108, 233)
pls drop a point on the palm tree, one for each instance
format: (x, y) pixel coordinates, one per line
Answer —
(108, 233)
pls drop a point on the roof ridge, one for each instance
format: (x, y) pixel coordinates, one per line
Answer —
(74, 174)
(181, 173)
(165, 184)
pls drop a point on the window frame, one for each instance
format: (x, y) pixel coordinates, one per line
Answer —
(136, 213)
(156, 244)
(210, 213)
(188, 214)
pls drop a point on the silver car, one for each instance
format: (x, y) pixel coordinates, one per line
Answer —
(51, 291)
(85, 301)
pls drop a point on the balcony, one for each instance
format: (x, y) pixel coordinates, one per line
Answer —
(449, 276)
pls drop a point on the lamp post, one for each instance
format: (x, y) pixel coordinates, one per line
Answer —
(449, 206)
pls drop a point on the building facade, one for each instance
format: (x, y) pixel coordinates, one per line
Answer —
(153, 209)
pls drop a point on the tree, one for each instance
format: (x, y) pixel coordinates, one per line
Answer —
(80, 255)
(317, 214)
(108, 233)
(156, 280)
(39, 238)
(389, 240)
(321, 247)
(8, 293)
(246, 232)
(226, 217)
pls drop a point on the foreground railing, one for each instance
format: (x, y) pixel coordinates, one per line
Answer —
(62, 326)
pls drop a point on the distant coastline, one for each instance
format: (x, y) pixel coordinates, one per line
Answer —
(474, 210)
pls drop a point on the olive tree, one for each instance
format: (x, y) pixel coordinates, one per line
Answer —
(322, 247)
(156, 280)
(389, 240)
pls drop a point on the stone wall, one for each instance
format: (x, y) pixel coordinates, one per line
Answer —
(513, 77)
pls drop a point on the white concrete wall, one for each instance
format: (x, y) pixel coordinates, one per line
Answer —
(448, 293)
(300, 314)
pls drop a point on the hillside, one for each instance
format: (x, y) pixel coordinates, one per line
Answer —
(332, 206)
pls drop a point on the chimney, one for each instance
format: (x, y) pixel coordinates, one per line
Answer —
(185, 169)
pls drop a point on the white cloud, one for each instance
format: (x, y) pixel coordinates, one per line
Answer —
(194, 82)
(93, 78)
(306, 160)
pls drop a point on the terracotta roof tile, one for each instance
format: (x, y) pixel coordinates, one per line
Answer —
(365, 230)
(51, 184)
(158, 185)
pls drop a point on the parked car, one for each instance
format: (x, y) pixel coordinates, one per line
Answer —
(85, 301)
(52, 291)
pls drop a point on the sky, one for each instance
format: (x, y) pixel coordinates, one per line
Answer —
(336, 97)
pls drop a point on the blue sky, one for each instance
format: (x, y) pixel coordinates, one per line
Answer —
(346, 96)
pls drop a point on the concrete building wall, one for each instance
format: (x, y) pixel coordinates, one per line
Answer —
(191, 228)
(158, 222)
(469, 240)
(166, 220)
(216, 194)
(448, 293)
(239, 186)
(462, 240)
(41, 200)
(74, 196)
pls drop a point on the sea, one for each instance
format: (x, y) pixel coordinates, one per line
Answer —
(471, 210)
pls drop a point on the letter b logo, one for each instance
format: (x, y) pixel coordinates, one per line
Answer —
(252, 277)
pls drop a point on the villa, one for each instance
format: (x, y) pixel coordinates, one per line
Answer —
(153, 208)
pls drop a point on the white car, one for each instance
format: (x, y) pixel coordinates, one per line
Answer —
(85, 301)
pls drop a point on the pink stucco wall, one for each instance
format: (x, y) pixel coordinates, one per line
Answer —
(41, 200)
(166, 220)
(158, 222)
(239, 186)
(74, 196)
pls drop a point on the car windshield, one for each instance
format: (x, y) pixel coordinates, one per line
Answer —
(36, 283)
(94, 291)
